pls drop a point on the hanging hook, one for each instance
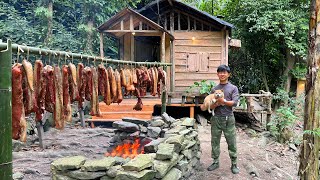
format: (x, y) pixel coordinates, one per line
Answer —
(40, 54)
(72, 57)
(65, 58)
(28, 54)
(18, 54)
(50, 57)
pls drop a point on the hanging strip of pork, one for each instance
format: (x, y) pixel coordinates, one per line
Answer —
(88, 89)
(65, 91)
(124, 80)
(162, 78)
(19, 123)
(104, 86)
(27, 86)
(134, 76)
(95, 111)
(58, 92)
(81, 83)
(73, 89)
(101, 80)
(155, 80)
(39, 89)
(129, 76)
(113, 84)
(29, 72)
(119, 89)
(48, 75)
(144, 81)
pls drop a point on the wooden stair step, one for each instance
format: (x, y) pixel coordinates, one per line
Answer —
(120, 116)
(127, 113)
(124, 108)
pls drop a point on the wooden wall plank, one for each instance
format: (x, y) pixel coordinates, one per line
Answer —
(198, 49)
(188, 83)
(200, 42)
(197, 34)
(181, 76)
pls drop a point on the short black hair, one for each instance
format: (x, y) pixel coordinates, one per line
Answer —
(223, 68)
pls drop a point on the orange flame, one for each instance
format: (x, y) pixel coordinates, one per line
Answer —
(127, 150)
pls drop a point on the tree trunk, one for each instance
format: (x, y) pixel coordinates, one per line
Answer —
(309, 155)
(264, 76)
(89, 35)
(49, 32)
(286, 73)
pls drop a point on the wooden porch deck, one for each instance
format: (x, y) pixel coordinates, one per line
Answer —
(116, 112)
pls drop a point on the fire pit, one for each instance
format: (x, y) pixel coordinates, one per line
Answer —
(162, 148)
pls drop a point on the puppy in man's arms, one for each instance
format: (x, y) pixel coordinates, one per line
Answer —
(211, 99)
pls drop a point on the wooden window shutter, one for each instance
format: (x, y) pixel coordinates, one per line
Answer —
(204, 62)
(192, 61)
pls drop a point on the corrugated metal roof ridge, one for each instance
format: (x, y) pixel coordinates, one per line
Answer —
(195, 9)
(207, 14)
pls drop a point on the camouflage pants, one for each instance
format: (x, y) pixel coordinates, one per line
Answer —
(226, 125)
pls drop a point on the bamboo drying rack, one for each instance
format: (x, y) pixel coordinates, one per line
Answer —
(6, 51)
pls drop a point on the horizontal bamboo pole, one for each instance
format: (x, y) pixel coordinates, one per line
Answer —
(48, 52)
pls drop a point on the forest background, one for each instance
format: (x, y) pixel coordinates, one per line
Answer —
(273, 33)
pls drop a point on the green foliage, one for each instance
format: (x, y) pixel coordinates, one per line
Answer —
(299, 71)
(281, 95)
(26, 22)
(270, 31)
(203, 87)
(282, 122)
(315, 132)
(243, 102)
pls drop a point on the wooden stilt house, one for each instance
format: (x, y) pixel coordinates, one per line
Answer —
(170, 31)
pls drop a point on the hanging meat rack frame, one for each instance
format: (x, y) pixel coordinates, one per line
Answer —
(6, 51)
(49, 52)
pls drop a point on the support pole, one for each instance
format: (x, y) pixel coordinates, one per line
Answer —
(83, 124)
(163, 101)
(5, 113)
(163, 48)
(40, 133)
(101, 46)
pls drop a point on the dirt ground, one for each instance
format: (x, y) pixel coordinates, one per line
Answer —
(258, 157)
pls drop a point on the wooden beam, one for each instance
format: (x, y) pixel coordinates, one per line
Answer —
(188, 23)
(140, 25)
(132, 48)
(172, 76)
(194, 24)
(131, 22)
(165, 22)
(121, 25)
(179, 22)
(208, 24)
(131, 31)
(101, 46)
(172, 22)
(148, 34)
(163, 44)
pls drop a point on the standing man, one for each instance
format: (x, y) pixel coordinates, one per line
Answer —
(223, 120)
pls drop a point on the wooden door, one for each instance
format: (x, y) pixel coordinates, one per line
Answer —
(192, 61)
(203, 62)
